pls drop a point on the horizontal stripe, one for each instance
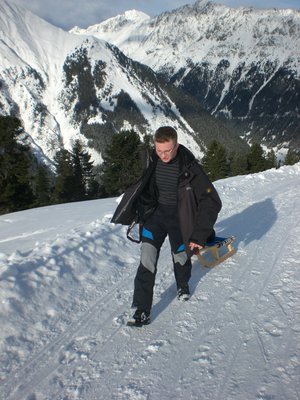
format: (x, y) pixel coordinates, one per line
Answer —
(167, 180)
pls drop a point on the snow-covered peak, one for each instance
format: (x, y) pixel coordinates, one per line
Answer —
(136, 15)
(119, 30)
(206, 31)
(121, 22)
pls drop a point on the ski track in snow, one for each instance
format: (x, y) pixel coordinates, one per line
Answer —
(238, 337)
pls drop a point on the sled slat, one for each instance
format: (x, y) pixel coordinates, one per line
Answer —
(210, 255)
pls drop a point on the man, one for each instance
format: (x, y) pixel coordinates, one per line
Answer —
(174, 198)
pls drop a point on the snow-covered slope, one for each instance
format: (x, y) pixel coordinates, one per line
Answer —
(32, 54)
(66, 281)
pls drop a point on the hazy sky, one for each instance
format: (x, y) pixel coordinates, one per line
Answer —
(83, 13)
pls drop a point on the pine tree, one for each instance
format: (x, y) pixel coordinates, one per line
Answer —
(75, 180)
(256, 159)
(79, 182)
(291, 157)
(271, 161)
(64, 183)
(15, 168)
(43, 185)
(238, 164)
(215, 161)
(121, 165)
(86, 185)
(144, 150)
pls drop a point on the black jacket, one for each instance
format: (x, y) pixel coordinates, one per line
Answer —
(198, 200)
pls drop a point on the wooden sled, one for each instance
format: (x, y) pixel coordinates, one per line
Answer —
(216, 252)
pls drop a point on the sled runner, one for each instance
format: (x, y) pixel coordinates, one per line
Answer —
(214, 253)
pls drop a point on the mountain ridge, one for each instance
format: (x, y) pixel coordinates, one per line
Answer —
(75, 85)
(234, 61)
(64, 87)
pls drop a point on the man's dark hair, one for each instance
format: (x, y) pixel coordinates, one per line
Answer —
(165, 134)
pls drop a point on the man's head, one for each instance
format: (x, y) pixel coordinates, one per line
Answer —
(165, 142)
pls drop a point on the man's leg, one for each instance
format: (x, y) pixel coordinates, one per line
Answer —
(182, 268)
(181, 261)
(153, 236)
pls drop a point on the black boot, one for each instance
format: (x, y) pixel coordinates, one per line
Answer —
(140, 318)
(183, 293)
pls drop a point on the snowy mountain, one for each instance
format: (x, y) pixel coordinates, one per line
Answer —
(241, 64)
(66, 281)
(64, 86)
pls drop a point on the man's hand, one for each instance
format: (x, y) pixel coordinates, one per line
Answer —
(194, 246)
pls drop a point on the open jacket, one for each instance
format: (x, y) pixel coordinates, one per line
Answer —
(198, 200)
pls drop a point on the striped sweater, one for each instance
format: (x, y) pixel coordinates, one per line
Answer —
(166, 175)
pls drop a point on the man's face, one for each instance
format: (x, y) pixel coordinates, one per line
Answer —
(166, 151)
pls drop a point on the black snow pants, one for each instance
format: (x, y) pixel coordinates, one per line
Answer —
(163, 222)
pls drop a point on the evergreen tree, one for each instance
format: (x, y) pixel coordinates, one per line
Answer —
(65, 182)
(15, 168)
(75, 180)
(238, 164)
(291, 157)
(215, 161)
(144, 149)
(79, 182)
(43, 185)
(256, 160)
(121, 165)
(86, 185)
(271, 161)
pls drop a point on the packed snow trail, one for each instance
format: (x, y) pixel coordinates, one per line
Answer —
(65, 300)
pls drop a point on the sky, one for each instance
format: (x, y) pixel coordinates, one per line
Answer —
(69, 13)
(66, 283)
